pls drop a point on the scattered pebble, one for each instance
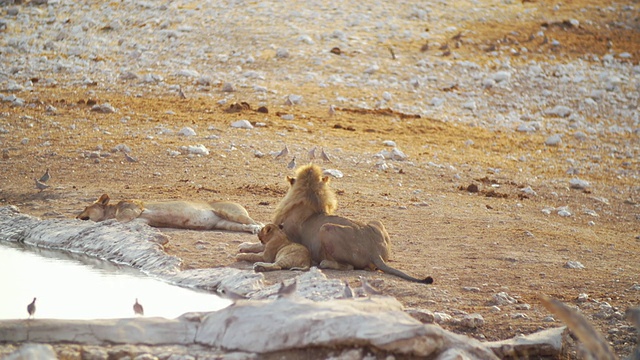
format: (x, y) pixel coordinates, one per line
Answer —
(394, 154)
(333, 172)
(187, 131)
(561, 111)
(442, 318)
(242, 124)
(197, 149)
(573, 265)
(553, 140)
(502, 298)
(579, 184)
(105, 108)
(228, 87)
(564, 211)
(472, 321)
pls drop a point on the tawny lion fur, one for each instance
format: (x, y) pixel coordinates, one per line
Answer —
(306, 214)
(279, 253)
(194, 215)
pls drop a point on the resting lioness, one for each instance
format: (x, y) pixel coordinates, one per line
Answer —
(194, 215)
(279, 252)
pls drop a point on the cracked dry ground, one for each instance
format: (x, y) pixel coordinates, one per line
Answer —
(494, 240)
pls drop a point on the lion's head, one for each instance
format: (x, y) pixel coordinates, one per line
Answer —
(96, 211)
(309, 193)
(270, 231)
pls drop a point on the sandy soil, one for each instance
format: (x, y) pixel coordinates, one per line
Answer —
(474, 244)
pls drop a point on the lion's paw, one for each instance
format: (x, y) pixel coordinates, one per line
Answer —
(250, 247)
(255, 228)
(260, 267)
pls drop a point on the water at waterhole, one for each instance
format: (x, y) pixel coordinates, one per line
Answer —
(75, 286)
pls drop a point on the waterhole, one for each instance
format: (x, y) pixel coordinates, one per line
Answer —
(75, 286)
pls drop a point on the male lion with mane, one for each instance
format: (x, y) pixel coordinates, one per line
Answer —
(335, 242)
(178, 214)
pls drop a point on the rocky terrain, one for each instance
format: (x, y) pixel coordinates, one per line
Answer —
(498, 141)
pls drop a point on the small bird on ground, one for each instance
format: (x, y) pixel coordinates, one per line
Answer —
(287, 290)
(332, 110)
(283, 153)
(130, 158)
(31, 308)
(324, 156)
(138, 309)
(368, 289)
(292, 163)
(40, 185)
(232, 295)
(348, 291)
(44, 178)
(312, 153)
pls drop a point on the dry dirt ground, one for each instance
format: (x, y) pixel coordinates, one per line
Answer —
(474, 244)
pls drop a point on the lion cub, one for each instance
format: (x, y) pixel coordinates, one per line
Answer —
(279, 252)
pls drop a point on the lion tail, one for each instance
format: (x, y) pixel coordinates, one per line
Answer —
(380, 264)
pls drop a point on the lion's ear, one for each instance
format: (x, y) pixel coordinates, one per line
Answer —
(291, 180)
(325, 179)
(103, 200)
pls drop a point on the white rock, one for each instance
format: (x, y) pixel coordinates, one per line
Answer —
(573, 265)
(393, 154)
(305, 39)
(472, 321)
(553, 140)
(372, 69)
(389, 143)
(470, 105)
(386, 96)
(188, 73)
(441, 318)
(502, 298)
(488, 83)
(561, 111)
(282, 53)
(242, 124)
(501, 76)
(105, 108)
(333, 172)
(228, 87)
(151, 78)
(123, 148)
(187, 131)
(293, 99)
(437, 101)
(198, 149)
(564, 211)
(529, 191)
(579, 184)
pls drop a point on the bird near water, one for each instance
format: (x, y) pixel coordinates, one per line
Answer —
(40, 185)
(31, 308)
(45, 177)
(138, 309)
